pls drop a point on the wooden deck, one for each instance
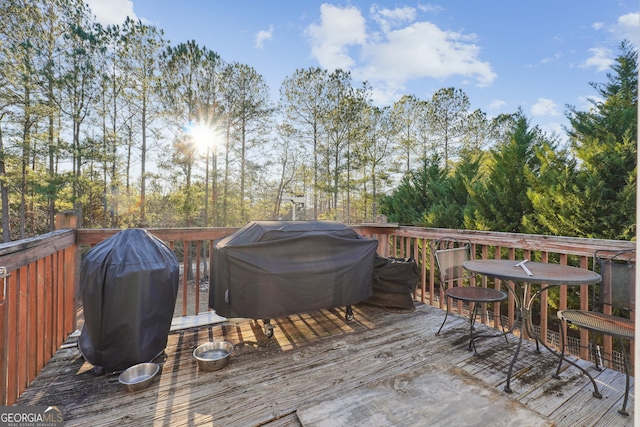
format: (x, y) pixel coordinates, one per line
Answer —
(320, 357)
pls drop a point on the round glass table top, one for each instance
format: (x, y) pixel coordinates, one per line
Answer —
(533, 272)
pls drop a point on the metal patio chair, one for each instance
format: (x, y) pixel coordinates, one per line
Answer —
(450, 254)
(612, 311)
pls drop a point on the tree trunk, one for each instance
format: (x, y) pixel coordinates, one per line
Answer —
(4, 195)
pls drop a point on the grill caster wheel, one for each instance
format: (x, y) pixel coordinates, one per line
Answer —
(268, 330)
(349, 315)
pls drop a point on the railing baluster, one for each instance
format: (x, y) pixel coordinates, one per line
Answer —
(544, 303)
(11, 343)
(185, 276)
(197, 284)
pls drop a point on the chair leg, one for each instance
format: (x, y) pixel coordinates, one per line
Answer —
(596, 393)
(448, 301)
(595, 353)
(562, 348)
(506, 339)
(623, 410)
(472, 321)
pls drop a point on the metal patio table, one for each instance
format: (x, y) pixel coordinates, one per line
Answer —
(523, 274)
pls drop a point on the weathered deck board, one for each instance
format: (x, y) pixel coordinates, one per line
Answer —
(427, 395)
(313, 357)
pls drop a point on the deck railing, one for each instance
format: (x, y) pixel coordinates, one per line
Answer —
(38, 306)
(414, 242)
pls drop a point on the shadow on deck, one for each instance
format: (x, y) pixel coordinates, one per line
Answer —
(318, 365)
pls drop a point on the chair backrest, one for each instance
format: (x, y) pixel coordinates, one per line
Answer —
(618, 271)
(450, 254)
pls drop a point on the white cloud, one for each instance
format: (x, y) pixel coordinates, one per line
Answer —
(112, 12)
(600, 59)
(424, 50)
(586, 103)
(553, 58)
(553, 128)
(557, 130)
(628, 27)
(433, 8)
(262, 36)
(405, 50)
(496, 104)
(338, 29)
(391, 18)
(545, 107)
(386, 92)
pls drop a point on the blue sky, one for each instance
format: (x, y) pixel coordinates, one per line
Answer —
(504, 54)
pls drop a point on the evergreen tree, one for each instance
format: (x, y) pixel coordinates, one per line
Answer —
(556, 209)
(499, 202)
(589, 191)
(451, 195)
(604, 139)
(411, 201)
(433, 196)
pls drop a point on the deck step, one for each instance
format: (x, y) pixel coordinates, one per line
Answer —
(194, 321)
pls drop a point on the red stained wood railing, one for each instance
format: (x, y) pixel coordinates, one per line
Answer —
(38, 309)
(414, 242)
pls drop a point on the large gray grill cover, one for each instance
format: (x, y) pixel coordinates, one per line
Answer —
(129, 285)
(269, 269)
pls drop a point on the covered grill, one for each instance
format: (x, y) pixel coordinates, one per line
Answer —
(269, 269)
(129, 286)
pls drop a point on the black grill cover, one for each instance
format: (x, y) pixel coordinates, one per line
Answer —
(269, 269)
(394, 282)
(129, 286)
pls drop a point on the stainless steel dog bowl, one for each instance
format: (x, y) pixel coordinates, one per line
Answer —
(139, 376)
(214, 355)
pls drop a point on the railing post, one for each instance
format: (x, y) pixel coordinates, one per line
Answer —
(66, 220)
(3, 336)
(69, 264)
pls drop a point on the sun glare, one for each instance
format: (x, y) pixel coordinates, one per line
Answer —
(204, 137)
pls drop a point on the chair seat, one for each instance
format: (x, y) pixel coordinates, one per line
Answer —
(599, 322)
(475, 294)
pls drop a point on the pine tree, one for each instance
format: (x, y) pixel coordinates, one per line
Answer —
(589, 191)
(605, 140)
(411, 201)
(500, 202)
(451, 195)
(556, 209)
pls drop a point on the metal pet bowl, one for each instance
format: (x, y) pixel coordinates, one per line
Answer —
(139, 376)
(212, 356)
